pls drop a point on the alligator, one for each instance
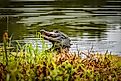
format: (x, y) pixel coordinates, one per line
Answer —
(59, 40)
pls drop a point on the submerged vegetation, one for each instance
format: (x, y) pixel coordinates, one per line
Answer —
(31, 64)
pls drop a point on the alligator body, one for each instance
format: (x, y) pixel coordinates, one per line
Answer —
(59, 40)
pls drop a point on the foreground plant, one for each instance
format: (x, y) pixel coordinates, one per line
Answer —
(42, 66)
(29, 64)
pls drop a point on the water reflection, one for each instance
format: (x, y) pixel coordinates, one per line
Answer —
(4, 3)
(95, 22)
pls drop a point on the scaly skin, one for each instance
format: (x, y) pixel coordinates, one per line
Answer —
(59, 40)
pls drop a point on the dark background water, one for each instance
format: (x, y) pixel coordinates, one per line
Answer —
(88, 23)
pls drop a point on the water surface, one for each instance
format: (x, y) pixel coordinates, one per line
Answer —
(88, 23)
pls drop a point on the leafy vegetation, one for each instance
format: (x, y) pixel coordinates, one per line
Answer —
(29, 64)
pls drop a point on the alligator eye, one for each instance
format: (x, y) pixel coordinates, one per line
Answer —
(56, 31)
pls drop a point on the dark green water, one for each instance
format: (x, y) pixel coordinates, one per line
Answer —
(88, 23)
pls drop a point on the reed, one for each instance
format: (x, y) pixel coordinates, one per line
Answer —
(31, 64)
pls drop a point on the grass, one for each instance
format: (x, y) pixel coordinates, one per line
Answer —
(29, 64)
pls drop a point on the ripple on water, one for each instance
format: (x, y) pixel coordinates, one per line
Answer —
(86, 25)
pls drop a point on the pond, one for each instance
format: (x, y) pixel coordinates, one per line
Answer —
(90, 23)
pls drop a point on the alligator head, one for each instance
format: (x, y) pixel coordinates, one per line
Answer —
(57, 38)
